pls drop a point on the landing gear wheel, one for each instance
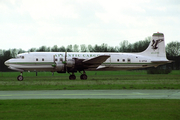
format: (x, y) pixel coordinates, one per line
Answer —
(20, 78)
(83, 77)
(72, 77)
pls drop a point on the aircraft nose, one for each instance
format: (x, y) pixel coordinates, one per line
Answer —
(6, 63)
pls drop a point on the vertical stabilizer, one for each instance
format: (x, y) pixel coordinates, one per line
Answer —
(156, 47)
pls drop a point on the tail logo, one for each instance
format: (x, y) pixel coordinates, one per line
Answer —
(155, 43)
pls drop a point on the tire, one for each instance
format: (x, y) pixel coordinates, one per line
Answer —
(20, 78)
(72, 77)
(83, 77)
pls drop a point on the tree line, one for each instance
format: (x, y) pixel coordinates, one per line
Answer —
(172, 50)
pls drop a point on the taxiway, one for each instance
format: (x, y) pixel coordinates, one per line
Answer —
(91, 94)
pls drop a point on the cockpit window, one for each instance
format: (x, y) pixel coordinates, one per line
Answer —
(19, 57)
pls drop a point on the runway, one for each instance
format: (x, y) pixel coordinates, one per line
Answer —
(91, 94)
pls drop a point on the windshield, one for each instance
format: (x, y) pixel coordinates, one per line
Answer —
(19, 57)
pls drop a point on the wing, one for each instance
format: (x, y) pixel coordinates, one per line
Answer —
(96, 61)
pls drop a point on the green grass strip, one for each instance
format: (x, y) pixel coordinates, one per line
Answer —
(90, 109)
(96, 80)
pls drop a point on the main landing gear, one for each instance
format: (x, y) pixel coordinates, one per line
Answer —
(20, 77)
(82, 77)
(72, 77)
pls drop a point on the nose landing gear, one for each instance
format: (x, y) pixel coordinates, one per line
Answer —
(20, 77)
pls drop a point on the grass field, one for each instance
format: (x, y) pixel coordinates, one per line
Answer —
(90, 109)
(96, 80)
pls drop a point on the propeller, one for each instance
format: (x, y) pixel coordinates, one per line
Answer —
(54, 65)
(60, 64)
(65, 63)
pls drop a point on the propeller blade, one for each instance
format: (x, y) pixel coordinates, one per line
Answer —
(65, 58)
(54, 58)
(65, 62)
(54, 65)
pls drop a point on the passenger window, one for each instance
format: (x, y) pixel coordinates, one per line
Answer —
(22, 57)
(42, 59)
(36, 59)
(117, 60)
(56, 60)
(123, 60)
(129, 60)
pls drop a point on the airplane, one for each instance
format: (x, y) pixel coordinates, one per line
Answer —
(72, 62)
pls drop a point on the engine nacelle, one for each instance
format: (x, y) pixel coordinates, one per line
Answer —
(74, 65)
(60, 67)
(70, 63)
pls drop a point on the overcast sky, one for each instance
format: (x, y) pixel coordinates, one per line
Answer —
(33, 23)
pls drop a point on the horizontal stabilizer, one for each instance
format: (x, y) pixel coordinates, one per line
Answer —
(170, 61)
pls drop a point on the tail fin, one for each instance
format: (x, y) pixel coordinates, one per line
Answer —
(156, 47)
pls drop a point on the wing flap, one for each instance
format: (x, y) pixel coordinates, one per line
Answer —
(100, 67)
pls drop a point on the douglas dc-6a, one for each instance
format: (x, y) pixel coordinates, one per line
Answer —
(72, 62)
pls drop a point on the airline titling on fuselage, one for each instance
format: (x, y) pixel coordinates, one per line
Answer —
(72, 62)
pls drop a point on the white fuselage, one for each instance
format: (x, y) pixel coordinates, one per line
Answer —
(43, 61)
(71, 62)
